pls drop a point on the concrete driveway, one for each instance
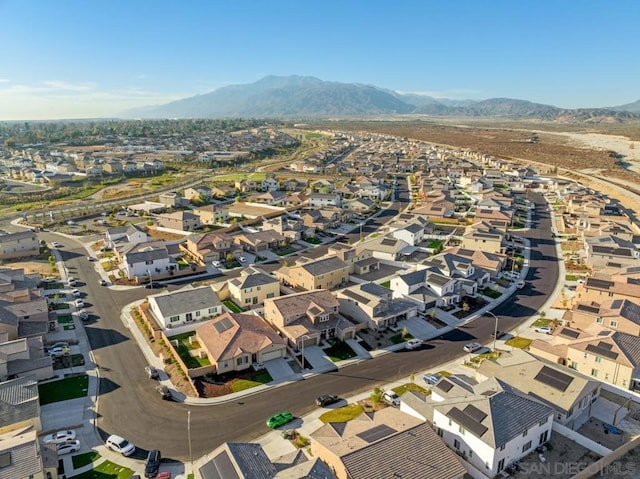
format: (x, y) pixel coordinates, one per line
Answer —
(319, 361)
(279, 369)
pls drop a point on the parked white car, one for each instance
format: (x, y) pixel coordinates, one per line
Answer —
(544, 329)
(75, 292)
(79, 304)
(120, 444)
(391, 398)
(414, 344)
(59, 436)
(68, 447)
(472, 347)
(242, 259)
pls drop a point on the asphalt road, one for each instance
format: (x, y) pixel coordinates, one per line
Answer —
(130, 406)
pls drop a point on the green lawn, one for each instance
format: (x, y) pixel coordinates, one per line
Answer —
(491, 293)
(339, 352)
(541, 322)
(65, 318)
(284, 251)
(571, 277)
(84, 459)
(260, 378)
(519, 342)
(400, 390)
(435, 244)
(342, 414)
(386, 284)
(57, 306)
(312, 240)
(106, 470)
(67, 388)
(184, 348)
(399, 338)
(233, 307)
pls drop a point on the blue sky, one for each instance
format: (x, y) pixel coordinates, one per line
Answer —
(83, 58)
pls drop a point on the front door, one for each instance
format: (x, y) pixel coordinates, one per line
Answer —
(189, 317)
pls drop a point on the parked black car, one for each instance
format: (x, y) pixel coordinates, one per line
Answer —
(327, 399)
(152, 372)
(152, 465)
(165, 392)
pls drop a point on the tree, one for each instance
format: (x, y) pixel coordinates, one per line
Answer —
(404, 333)
(376, 396)
(466, 307)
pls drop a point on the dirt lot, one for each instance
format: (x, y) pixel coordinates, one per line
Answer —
(594, 430)
(42, 266)
(563, 461)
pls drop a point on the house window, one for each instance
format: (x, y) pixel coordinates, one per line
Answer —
(212, 310)
(524, 434)
(606, 376)
(247, 301)
(624, 382)
(599, 319)
(598, 359)
(247, 290)
(440, 432)
(461, 430)
(257, 288)
(173, 319)
(574, 365)
(450, 422)
(456, 444)
(594, 373)
(324, 317)
(542, 423)
(197, 314)
(470, 453)
(614, 324)
(502, 447)
(270, 295)
(586, 355)
(150, 261)
(526, 447)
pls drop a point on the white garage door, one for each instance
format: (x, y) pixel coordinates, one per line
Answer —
(273, 355)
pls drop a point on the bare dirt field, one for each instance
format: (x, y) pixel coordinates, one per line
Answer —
(42, 267)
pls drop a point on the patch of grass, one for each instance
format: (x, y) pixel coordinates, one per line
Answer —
(106, 470)
(312, 135)
(518, 342)
(68, 388)
(342, 414)
(81, 460)
(444, 374)
(284, 251)
(58, 306)
(435, 244)
(571, 277)
(399, 338)
(312, 240)
(386, 284)
(491, 293)
(65, 318)
(231, 306)
(260, 378)
(541, 322)
(400, 390)
(339, 352)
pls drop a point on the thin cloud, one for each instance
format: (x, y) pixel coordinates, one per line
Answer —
(4, 80)
(66, 86)
(454, 94)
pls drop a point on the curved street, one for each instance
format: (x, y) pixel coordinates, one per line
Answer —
(129, 406)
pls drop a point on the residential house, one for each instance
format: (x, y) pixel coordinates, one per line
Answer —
(149, 261)
(389, 248)
(270, 184)
(24, 357)
(322, 219)
(222, 191)
(325, 199)
(620, 315)
(598, 290)
(359, 205)
(198, 194)
(493, 263)
(460, 267)
(568, 392)
(19, 245)
(185, 306)
(19, 405)
(211, 214)
(360, 261)
(487, 424)
(234, 342)
(291, 228)
(271, 197)
(603, 250)
(179, 221)
(24, 311)
(482, 237)
(612, 357)
(113, 167)
(207, 247)
(323, 273)
(375, 445)
(131, 234)
(171, 199)
(428, 288)
(245, 185)
(24, 456)
(374, 306)
(307, 318)
(260, 241)
(321, 186)
(252, 287)
(412, 234)
(249, 461)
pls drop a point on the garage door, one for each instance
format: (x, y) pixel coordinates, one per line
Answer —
(273, 355)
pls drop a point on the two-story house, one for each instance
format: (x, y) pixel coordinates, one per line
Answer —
(208, 247)
(131, 234)
(428, 288)
(211, 214)
(19, 245)
(185, 306)
(149, 262)
(179, 221)
(307, 318)
(252, 287)
(323, 273)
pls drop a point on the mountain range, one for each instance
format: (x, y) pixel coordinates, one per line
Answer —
(308, 97)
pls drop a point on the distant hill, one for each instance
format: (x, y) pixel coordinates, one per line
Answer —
(632, 107)
(308, 97)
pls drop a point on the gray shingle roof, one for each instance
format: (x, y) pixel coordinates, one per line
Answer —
(18, 400)
(630, 346)
(324, 265)
(511, 414)
(186, 301)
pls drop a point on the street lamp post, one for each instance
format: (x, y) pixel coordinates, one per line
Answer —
(189, 434)
(495, 332)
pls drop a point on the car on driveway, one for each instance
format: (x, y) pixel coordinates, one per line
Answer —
(164, 392)
(75, 293)
(92, 258)
(55, 244)
(242, 259)
(79, 304)
(472, 347)
(103, 282)
(84, 316)
(216, 263)
(544, 329)
(498, 334)
(279, 419)
(68, 447)
(431, 378)
(520, 284)
(120, 444)
(59, 436)
(327, 399)
(414, 343)
(152, 464)
(391, 398)
(59, 352)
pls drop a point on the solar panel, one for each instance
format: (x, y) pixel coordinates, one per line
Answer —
(314, 310)
(616, 303)
(553, 378)
(592, 348)
(388, 242)
(222, 325)
(606, 346)
(221, 467)
(475, 413)
(376, 433)
(599, 283)
(587, 308)
(633, 281)
(466, 421)
(355, 296)
(444, 385)
(569, 333)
